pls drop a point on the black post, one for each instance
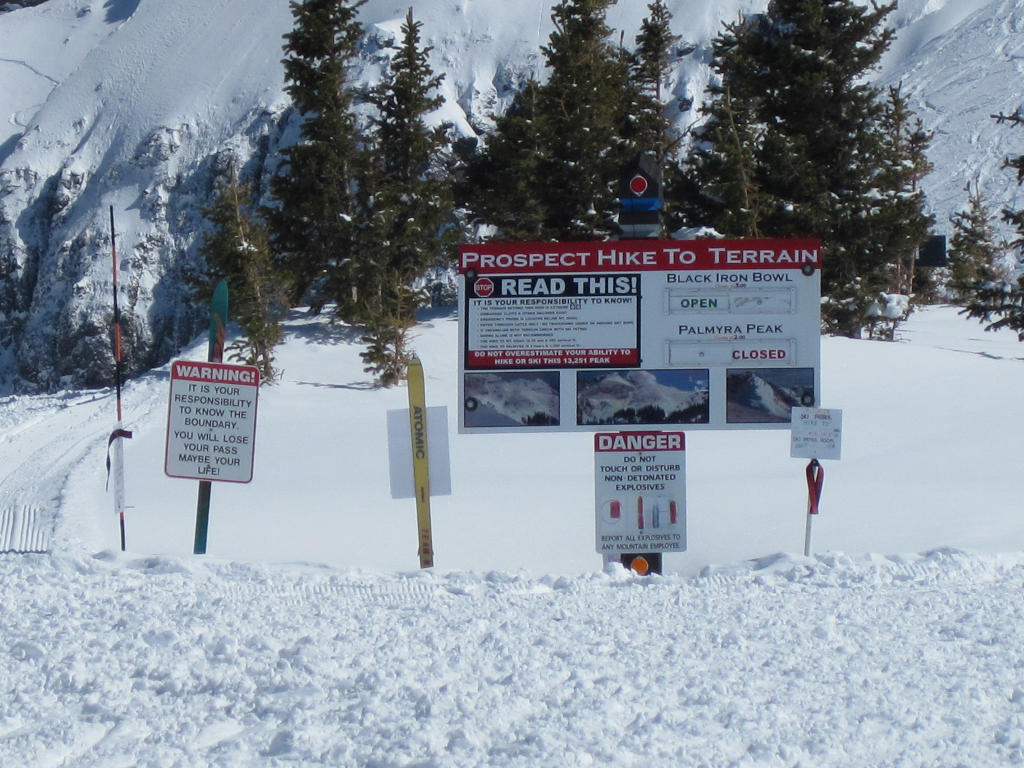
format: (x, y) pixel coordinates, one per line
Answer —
(640, 202)
(119, 432)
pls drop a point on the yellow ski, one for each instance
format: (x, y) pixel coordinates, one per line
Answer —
(420, 465)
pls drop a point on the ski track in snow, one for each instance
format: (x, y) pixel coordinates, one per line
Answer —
(821, 661)
(34, 464)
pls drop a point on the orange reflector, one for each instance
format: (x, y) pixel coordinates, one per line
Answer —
(640, 565)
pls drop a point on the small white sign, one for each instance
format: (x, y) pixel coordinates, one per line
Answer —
(817, 433)
(400, 453)
(640, 492)
(211, 421)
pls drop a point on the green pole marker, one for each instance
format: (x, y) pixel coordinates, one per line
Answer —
(420, 465)
(214, 354)
(218, 323)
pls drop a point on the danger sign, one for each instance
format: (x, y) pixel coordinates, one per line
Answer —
(640, 492)
(211, 421)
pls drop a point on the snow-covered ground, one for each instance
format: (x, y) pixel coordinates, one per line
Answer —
(307, 636)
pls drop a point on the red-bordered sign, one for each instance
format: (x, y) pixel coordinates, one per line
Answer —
(640, 492)
(710, 334)
(640, 255)
(638, 184)
(211, 421)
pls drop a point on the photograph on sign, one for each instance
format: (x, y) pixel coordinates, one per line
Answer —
(512, 399)
(211, 421)
(715, 334)
(636, 396)
(767, 395)
(640, 492)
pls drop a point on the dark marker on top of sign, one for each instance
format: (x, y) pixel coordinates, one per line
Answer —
(641, 178)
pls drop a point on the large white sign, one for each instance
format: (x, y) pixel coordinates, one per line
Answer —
(640, 492)
(710, 334)
(211, 421)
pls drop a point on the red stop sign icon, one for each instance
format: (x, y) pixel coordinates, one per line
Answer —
(638, 184)
(483, 287)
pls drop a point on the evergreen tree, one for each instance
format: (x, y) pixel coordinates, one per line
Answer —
(900, 224)
(311, 223)
(584, 108)
(904, 145)
(561, 148)
(798, 142)
(648, 127)
(501, 182)
(403, 206)
(649, 72)
(975, 253)
(237, 250)
(999, 303)
(730, 174)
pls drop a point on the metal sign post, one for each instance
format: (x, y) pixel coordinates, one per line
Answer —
(640, 204)
(815, 433)
(215, 354)
(119, 434)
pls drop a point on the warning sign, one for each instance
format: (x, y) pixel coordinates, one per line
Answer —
(577, 321)
(710, 334)
(211, 421)
(640, 492)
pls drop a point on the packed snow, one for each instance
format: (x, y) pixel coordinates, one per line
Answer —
(308, 636)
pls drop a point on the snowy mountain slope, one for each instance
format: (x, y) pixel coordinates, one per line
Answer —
(136, 103)
(33, 65)
(135, 125)
(959, 65)
(35, 464)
